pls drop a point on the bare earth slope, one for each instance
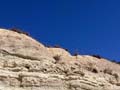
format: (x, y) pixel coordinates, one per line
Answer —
(26, 64)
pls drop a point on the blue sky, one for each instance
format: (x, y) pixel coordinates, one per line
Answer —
(88, 26)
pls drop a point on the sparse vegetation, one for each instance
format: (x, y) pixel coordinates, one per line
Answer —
(91, 67)
(97, 56)
(75, 54)
(66, 49)
(48, 46)
(115, 61)
(57, 46)
(118, 62)
(116, 76)
(19, 31)
(108, 71)
(57, 58)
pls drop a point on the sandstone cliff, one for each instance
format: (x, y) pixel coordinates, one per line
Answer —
(26, 64)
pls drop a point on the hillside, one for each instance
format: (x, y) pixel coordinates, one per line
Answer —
(26, 64)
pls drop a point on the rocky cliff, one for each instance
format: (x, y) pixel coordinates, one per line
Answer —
(26, 64)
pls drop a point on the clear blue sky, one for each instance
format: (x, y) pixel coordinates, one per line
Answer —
(90, 26)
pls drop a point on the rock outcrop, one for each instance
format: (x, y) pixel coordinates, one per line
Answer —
(26, 64)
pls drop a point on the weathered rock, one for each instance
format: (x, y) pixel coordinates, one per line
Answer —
(26, 64)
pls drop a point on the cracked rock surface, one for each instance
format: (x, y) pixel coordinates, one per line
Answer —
(26, 64)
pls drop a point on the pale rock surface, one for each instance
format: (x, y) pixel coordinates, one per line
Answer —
(58, 51)
(26, 64)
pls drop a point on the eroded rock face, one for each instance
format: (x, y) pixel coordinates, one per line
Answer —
(26, 64)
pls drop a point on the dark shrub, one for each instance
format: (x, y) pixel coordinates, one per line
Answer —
(97, 56)
(114, 61)
(118, 62)
(108, 71)
(116, 75)
(76, 54)
(57, 46)
(66, 49)
(57, 58)
(19, 31)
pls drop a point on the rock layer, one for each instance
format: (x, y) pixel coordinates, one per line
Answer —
(26, 64)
